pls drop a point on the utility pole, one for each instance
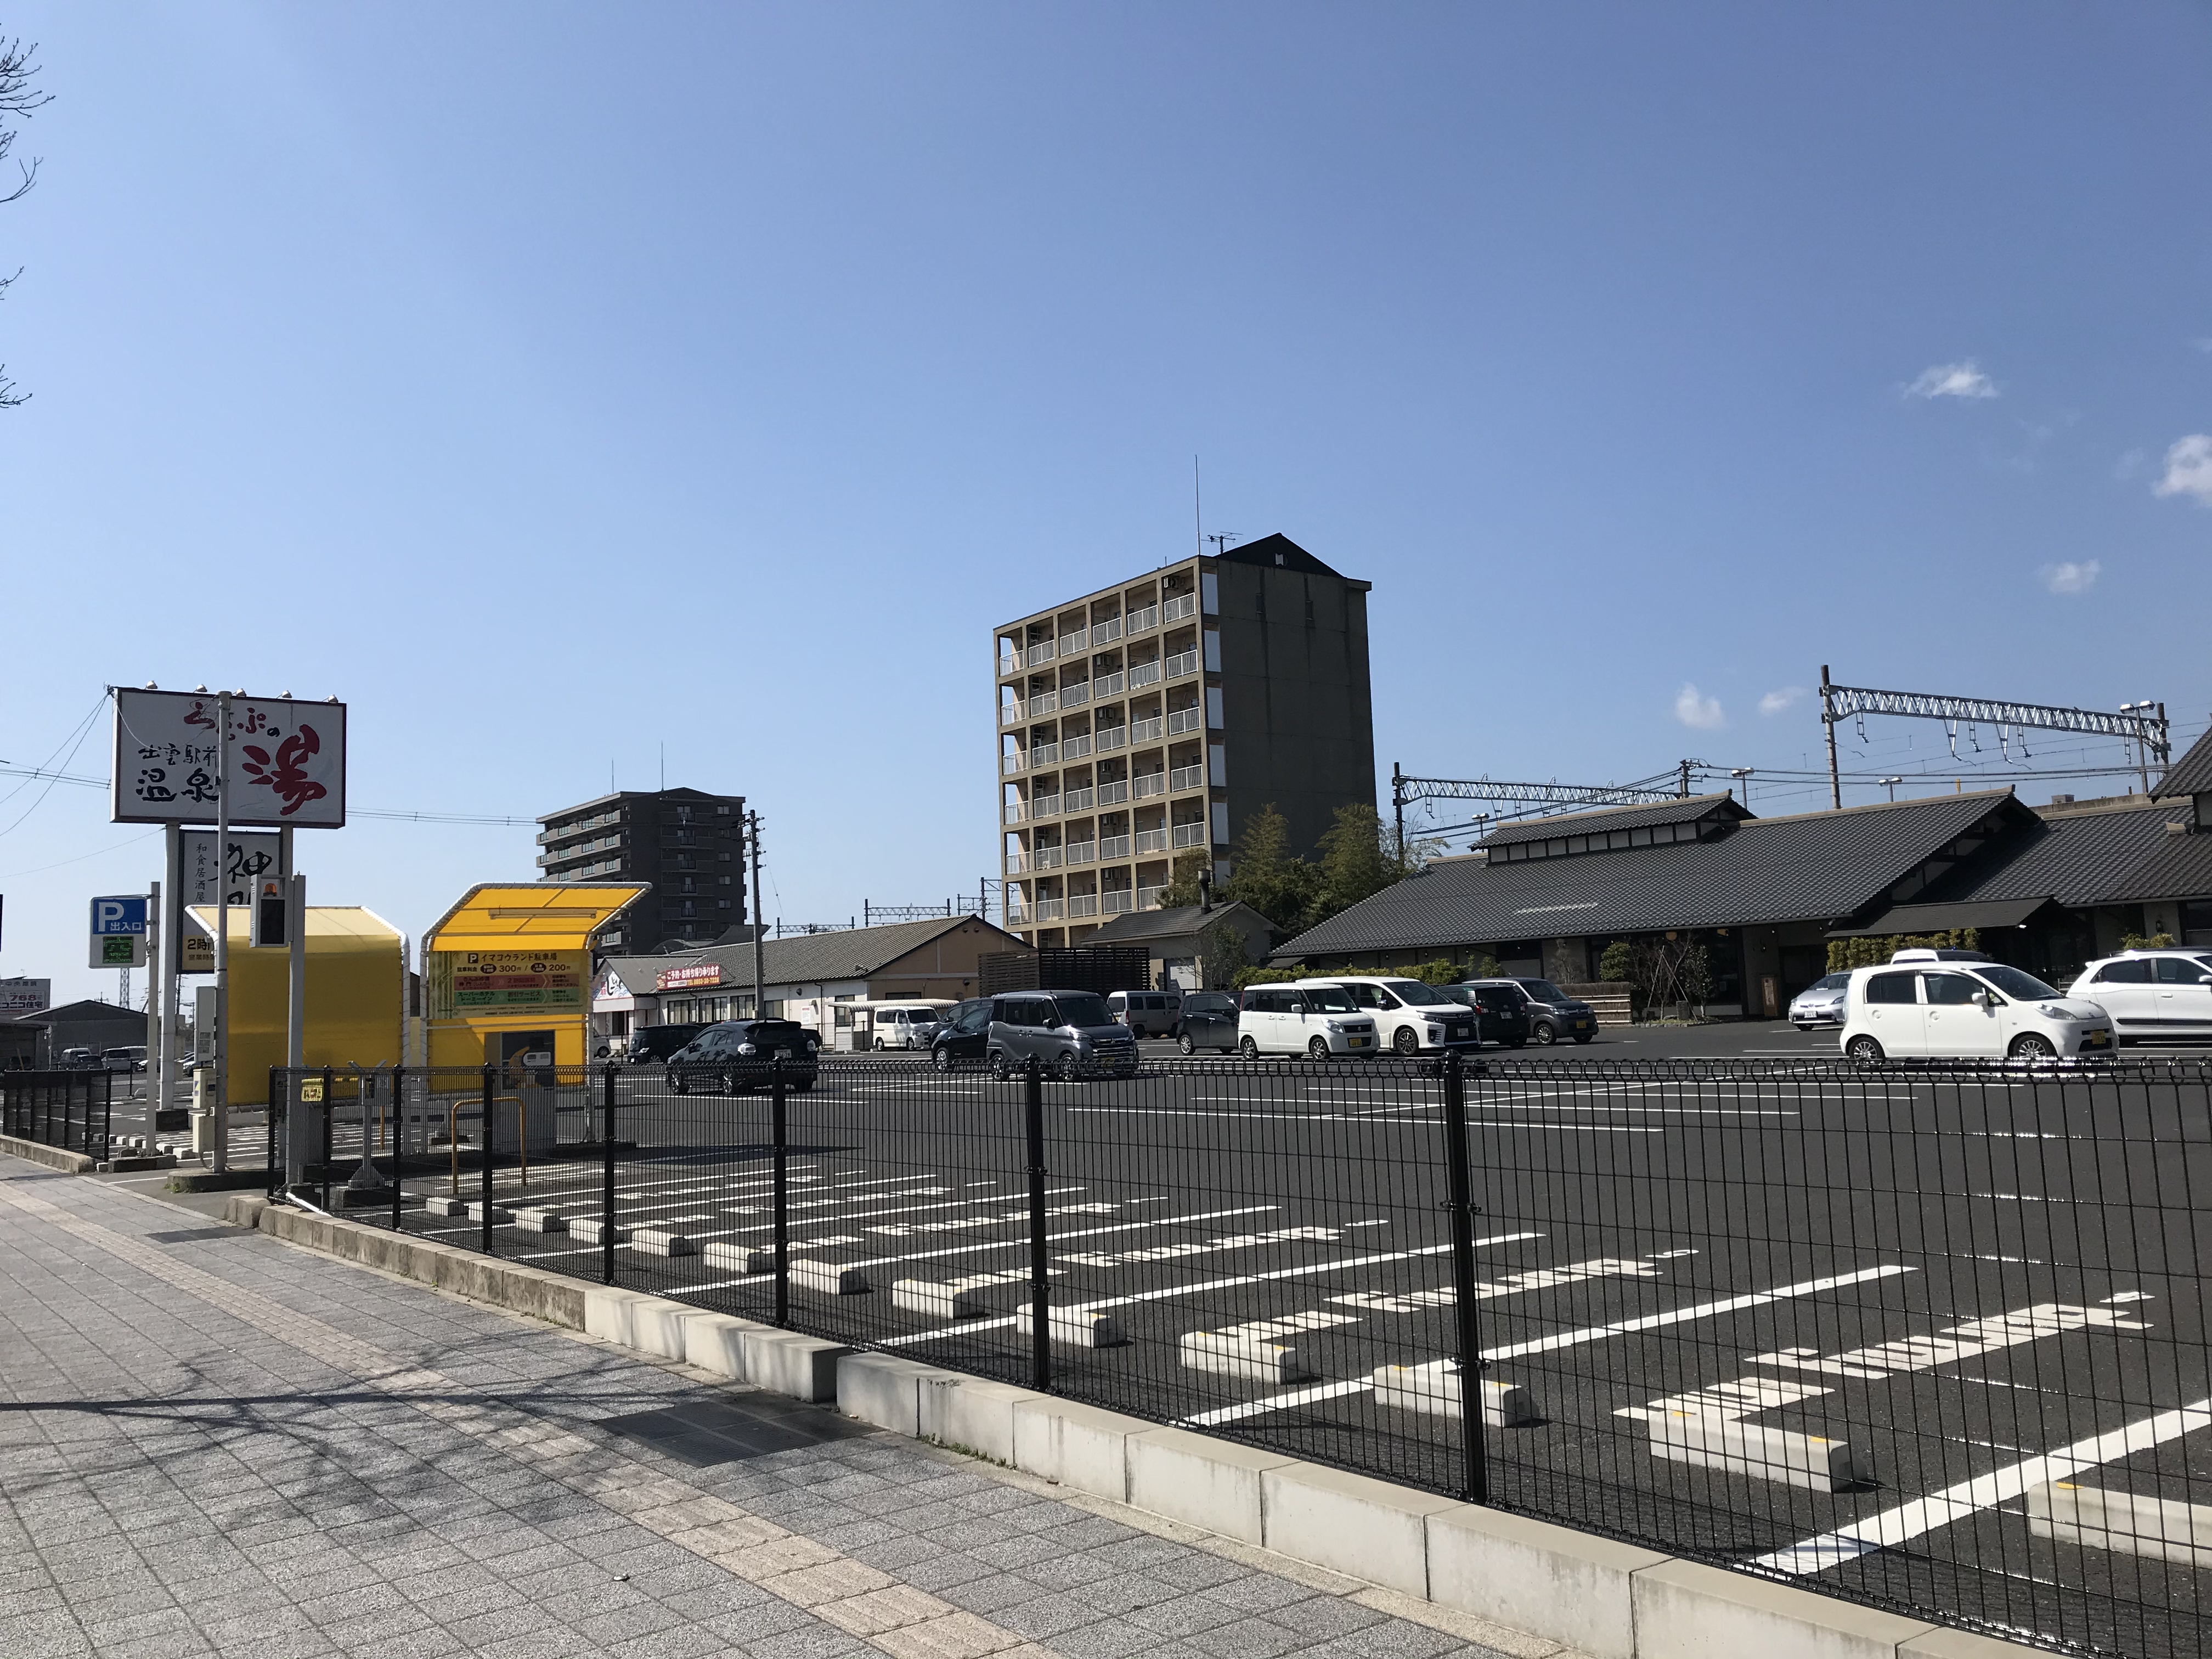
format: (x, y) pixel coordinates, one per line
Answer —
(1398, 807)
(1684, 791)
(753, 850)
(1828, 725)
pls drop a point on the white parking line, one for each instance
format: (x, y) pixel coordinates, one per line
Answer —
(1368, 1120)
(1054, 1238)
(1274, 1402)
(1681, 1316)
(1893, 1527)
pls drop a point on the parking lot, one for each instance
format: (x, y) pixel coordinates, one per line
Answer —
(1979, 1286)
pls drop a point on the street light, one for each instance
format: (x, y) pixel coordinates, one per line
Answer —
(1743, 772)
(1892, 783)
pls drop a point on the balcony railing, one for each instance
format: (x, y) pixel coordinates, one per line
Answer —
(1144, 673)
(1017, 915)
(1107, 685)
(1044, 703)
(1185, 719)
(1016, 860)
(1110, 736)
(1107, 632)
(1010, 763)
(1039, 652)
(1136, 622)
(1151, 841)
(1148, 785)
(1043, 754)
(1145, 731)
(1148, 898)
(1113, 846)
(1075, 644)
(1083, 904)
(1051, 910)
(1190, 835)
(1182, 605)
(1113, 790)
(1070, 695)
(1185, 777)
(1183, 662)
(1117, 900)
(1010, 662)
(1076, 800)
(1083, 852)
(1075, 748)
(1016, 812)
(1012, 713)
(1044, 806)
(1046, 858)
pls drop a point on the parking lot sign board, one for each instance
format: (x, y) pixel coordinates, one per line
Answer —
(119, 931)
(487, 981)
(287, 760)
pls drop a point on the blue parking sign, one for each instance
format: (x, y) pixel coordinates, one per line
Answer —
(119, 931)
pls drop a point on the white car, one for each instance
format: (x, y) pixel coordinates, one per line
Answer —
(1966, 1011)
(907, 1028)
(1410, 1016)
(2153, 993)
(1313, 1017)
(1820, 1003)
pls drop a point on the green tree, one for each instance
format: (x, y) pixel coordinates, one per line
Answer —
(1182, 884)
(1615, 964)
(1265, 875)
(1355, 860)
(1222, 955)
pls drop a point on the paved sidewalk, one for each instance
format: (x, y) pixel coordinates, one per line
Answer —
(212, 1444)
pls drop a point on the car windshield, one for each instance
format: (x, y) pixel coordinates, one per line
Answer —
(1414, 992)
(1459, 994)
(1084, 1009)
(1330, 1000)
(2014, 983)
(1833, 982)
(1544, 991)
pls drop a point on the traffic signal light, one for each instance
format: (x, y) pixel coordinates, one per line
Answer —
(271, 916)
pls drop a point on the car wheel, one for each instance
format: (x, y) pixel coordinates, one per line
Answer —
(999, 1070)
(1863, 1049)
(942, 1058)
(1249, 1048)
(1516, 1043)
(1317, 1049)
(727, 1083)
(678, 1083)
(1805, 1029)
(2034, 1045)
(1405, 1042)
(1542, 1034)
(1068, 1068)
(1184, 1043)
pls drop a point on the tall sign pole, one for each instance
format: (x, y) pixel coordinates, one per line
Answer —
(160, 1096)
(220, 1139)
(159, 944)
(752, 852)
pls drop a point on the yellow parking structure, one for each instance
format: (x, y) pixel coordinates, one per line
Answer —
(507, 971)
(356, 995)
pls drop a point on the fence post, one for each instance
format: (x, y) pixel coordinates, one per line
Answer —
(1461, 1181)
(398, 1140)
(607, 1184)
(484, 1135)
(1040, 1302)
(106, 1118)
(780, 1129)
(329, 1101)
(274, 1184)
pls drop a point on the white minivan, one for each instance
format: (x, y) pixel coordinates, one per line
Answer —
(1313, 1017)
(2153, 993)
(1411, 1017)
(1966, 1011)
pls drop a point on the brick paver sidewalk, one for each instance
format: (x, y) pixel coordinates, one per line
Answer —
(212, 1444)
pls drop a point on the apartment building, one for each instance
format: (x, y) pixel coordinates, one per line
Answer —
(687, 845)
(1150, 718)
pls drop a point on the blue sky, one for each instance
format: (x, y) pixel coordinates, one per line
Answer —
(555, 383)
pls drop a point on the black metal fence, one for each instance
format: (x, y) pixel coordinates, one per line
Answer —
(73, 1110)
(1930, 1337)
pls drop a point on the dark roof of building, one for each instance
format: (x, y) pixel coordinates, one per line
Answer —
(2112, 855)
(806, 958)
(1279, 550)
(1603, 818)
(2189, 776)
(1911, 919)
(679, 794)
(1814, 866)
(1180, 922)
(79, 1013)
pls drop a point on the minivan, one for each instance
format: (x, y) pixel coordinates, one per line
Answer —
(906, 1027)
(1069, 1033)
(1317, 1018)
(1147, 1014)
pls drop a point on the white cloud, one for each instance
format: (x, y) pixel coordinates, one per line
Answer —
(1960, 379)
(2189, 469)
(1775, 702)
(1702, 713)
(2072, 578)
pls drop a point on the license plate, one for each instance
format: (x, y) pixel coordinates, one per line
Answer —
(1355, 1042)
(2099, 1039)
(1581, 1026)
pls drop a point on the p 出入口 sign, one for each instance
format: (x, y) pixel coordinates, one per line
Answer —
(287, 760)
(494, 982)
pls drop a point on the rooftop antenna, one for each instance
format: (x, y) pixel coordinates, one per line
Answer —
(663, 765)
(1197, 511)
(1221, 542)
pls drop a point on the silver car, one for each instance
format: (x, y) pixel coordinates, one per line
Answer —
(1820, 1003)
(1068, 1033)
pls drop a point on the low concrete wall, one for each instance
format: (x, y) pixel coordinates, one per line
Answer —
(1593, 1595)
(53, 1157)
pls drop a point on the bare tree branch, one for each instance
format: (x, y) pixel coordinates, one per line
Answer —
(19, 99)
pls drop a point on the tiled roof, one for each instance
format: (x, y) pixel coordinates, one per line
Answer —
(1141, 926)
(2189, 776)
(1814, 866)
(2118, 855)
(854, 953)
(1619, 817)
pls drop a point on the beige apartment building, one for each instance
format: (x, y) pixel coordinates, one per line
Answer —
(1151, 717)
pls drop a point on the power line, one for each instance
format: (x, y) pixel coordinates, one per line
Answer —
(392, 814)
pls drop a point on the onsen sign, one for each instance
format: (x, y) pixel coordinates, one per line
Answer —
(287, 760)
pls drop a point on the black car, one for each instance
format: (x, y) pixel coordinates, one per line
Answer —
(1552, 1014)
(652, 1045)
(1208, 1021)
(963, 1034)
(1501, 1010)
(742, 1056)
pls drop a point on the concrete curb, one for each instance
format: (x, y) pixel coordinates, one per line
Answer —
(1587, 1594)
(53, 1157)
